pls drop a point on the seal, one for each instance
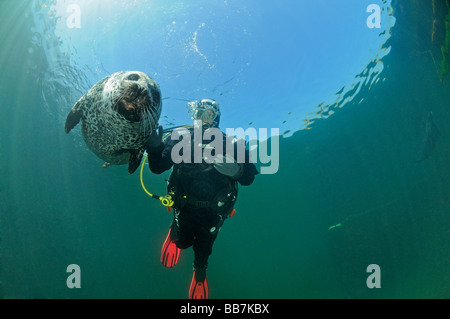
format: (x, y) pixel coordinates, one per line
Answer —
(117, 116)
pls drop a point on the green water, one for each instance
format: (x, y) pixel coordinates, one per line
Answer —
(357, 168)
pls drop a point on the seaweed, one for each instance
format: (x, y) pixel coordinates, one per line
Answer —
(444, 64)
(445, 48)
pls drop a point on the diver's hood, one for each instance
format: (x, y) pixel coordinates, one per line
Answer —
(196, 108)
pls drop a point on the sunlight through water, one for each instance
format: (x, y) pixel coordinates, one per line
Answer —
(284, 64)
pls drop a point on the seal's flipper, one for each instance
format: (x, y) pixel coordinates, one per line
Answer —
(74, 117)
(135, 160)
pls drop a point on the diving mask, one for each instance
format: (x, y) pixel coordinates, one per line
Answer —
(206, 110)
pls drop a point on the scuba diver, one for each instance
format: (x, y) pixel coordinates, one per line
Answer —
(204, 192)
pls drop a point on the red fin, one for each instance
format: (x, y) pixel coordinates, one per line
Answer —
(169, 252)
(198, 289)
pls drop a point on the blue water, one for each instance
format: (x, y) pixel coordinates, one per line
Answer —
(351, 101)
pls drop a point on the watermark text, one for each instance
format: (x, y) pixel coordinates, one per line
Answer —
(232, 150)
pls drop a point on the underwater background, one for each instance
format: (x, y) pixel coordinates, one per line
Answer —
(364, 174)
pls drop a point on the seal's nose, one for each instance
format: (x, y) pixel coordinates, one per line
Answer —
(128, 106)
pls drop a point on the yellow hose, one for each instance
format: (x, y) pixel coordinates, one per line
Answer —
(142, 180)
(165, 200)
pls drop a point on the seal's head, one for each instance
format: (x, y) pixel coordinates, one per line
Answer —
(118, 114)
(135, 96)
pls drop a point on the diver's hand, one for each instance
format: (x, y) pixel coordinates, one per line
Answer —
(226, 165)
(155, 139)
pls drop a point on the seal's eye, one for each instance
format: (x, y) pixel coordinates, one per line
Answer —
(133, 77)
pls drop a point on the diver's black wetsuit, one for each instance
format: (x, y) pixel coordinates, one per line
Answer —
(203, 197)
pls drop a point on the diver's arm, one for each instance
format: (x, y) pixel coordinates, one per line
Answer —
(249, 171)
(159, 158)
(248, 168)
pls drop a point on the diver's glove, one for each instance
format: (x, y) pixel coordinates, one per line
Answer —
(155, 140)
(226, 165)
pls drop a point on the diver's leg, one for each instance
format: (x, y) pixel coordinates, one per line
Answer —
(202, 246)
(180, 236)
(182, 229)
(207, 225)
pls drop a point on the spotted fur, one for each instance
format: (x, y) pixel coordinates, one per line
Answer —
(117, 117)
